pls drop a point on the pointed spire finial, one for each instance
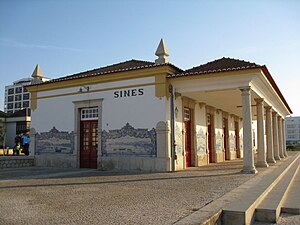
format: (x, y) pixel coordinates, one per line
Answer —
(37, 72)
(162, 53)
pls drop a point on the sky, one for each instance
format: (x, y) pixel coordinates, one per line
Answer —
(69, 36)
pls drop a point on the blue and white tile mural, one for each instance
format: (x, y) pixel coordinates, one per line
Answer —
(178, 140)
(129, 141)
(201, 141)
(55, 141)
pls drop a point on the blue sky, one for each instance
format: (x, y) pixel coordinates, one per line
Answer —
(69, 36)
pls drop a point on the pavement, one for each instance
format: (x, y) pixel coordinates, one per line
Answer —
(36, 195)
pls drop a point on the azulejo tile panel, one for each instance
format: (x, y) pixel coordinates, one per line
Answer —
(129, 141)
(55, 141)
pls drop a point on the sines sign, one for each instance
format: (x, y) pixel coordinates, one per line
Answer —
(129, 93)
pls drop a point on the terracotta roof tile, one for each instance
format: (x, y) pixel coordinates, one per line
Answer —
(219, 65)
(119, 67)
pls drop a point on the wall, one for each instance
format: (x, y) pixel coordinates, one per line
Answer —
(130, 114)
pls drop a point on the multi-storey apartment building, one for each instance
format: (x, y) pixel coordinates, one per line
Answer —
(17, 96)
(292, 126)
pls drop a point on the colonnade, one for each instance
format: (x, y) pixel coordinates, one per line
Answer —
(274, 148)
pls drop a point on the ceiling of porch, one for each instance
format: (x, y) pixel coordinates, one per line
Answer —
(227, 100)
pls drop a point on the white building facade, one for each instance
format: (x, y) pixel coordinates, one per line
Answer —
(292, 127)
(16, 96)
(153, 116)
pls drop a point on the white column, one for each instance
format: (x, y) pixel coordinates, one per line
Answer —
(261, 162)
(275, 136)
(280, 137)
(269, 131)
(247, 131)
(284, 138)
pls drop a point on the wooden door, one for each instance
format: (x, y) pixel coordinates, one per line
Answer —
(237, 139)
(188, 137)
(225, 138)
(88, 144)
(210, 138)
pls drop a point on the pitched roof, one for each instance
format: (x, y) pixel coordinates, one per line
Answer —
(219, 65)
(119, 67)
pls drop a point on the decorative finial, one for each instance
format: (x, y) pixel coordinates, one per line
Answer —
(37, 72)
(162, 53)
(37, 75)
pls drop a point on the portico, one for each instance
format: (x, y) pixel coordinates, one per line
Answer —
(225, 102)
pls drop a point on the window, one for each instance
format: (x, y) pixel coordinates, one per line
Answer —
(187, 114)
(89, 114)
(26, 96)
(26, 104)
(25, 89)
(10, 105)
(11, 91)
(19, 90)
(10, 98)
(9, 111)
(18, 105)
(18, 97)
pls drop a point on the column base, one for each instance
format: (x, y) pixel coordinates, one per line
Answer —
(271, 160)
(277, 158)
(262, 164)
(249, 170)
(282, 156)
(285, 154)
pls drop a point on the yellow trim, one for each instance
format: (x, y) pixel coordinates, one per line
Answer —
(97, 90)
(33, 102)
(160, 86)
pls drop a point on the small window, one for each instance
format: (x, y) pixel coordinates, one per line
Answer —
(10, 105)
(26, 104)
(10, 98)
(11, 91)
(18, 105)
(89, 114)
(19, 90)
(187, 114)
(25, 89)
(26, 96)
(18, 97)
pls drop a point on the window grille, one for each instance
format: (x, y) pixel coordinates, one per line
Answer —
(89, 114)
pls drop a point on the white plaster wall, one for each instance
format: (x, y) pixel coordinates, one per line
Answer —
(142, 111)
(179, 137)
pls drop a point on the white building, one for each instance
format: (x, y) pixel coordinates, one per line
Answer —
(16, 96)
(292, 127)
(139, 115)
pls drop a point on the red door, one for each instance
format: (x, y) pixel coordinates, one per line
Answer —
(237, 141)
(88, 144)
(225, 136)
(188, 137)
(209, 137)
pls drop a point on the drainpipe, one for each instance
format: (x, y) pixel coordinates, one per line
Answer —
(171, 90)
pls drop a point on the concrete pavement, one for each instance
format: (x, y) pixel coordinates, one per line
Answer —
(79, 196)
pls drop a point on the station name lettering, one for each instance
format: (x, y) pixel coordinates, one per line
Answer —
(129, 93)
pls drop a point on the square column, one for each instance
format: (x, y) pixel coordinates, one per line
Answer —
(260, 133)
(247, 131)
(275, 136)
(284, 138)
(269, 131)
(280, 137)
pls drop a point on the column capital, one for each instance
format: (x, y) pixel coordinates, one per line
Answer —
(269, 108)
(245, 90)
(259, 100)
(274, 114)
